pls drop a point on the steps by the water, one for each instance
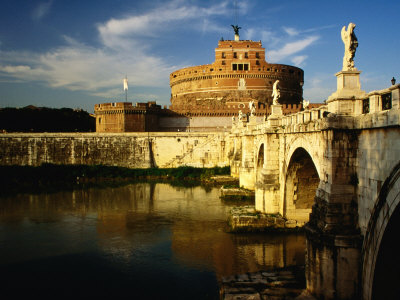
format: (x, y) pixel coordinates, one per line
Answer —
(283, 284)
(247, 219)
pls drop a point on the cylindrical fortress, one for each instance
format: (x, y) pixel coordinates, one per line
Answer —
(238, 75)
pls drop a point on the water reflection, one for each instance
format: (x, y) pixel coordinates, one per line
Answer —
(144, 232)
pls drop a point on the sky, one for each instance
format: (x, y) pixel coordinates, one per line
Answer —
(73, 53)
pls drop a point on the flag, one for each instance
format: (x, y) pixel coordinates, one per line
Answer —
(125, 84)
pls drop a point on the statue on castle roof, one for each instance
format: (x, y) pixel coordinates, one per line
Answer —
(276, 93)
(236, 29)
(350, 45)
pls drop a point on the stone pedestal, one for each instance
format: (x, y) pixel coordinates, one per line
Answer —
(344, 101)
(276, 115)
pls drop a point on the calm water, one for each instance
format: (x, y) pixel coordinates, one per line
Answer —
(142, 241)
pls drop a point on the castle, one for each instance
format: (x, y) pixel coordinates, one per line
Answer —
(206, 97)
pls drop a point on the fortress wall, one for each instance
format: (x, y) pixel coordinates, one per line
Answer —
(133, 150)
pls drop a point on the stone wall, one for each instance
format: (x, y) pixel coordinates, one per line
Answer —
(133, 150)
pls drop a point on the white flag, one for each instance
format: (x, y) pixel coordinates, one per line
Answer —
(125, 84)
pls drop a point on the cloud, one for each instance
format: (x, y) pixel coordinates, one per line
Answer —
(291, 48)
(298, 60)
(290, 31)
(118, 32)
(125, 48)
(41, 10)
(80, 67)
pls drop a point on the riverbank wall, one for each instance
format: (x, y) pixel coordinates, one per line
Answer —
(132, 150)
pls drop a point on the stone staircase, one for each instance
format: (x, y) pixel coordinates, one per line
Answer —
(178, 160)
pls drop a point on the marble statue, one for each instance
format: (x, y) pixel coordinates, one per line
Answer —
(252, 108)
(350, 45)
(240, 115)
(305, 104)
(276, 93)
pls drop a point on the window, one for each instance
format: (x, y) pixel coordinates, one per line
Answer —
(100, 120)
(246, 55)
(257, 62)
(386, 101)
(234, 55)
(223, 63)
(240, 67)
(365, 106)
(257, 55)
(223, 54)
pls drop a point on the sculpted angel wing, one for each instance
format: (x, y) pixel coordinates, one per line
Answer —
(343, 33)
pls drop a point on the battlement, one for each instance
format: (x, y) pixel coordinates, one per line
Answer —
(120, 107)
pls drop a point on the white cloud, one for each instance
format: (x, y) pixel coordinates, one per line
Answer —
(298, 60)
(117, 33)
(41, 10)
(291, 48)
(291, 31)
(99, 70)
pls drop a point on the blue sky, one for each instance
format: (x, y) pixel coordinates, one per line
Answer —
(70, 53)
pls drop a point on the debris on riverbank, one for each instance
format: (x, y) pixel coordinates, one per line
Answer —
(247, 219)
(283, 284)
(234, 192)
(224, 179)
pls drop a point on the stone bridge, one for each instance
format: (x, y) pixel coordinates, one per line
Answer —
(335, 169)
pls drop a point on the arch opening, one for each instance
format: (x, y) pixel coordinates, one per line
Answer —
(387, 267)
(381, 262)
(260, 157)
(260, 161)
(301, 184)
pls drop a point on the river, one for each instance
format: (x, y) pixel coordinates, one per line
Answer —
(142, 241)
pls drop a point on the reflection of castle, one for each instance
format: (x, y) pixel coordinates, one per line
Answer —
(204, 98)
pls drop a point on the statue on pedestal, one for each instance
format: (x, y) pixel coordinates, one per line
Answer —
(276, 93)
(305, 104)
(252, 108)
(240, 115)
(236, 29)
(350, 45)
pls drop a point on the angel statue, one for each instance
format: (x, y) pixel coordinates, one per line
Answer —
(240, 115)
(252, 107)
(236, 29)
(350, 45)
(276, 93)
(305, 104)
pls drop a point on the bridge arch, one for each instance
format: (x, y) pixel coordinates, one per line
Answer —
(381, 261)
(301, 142)
(260, 158)
(301, 183)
